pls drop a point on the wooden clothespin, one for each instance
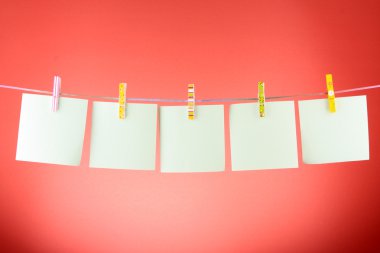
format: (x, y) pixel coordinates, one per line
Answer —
(56, 93)
(330, 93)
(122, 100)
(191, 101)
(261, 98)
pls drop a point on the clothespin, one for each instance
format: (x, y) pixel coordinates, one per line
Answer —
(122, 100)
(56, 93)
(261, 96)
(330, 93)
(191, 101)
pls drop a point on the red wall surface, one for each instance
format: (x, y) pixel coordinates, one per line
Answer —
(158, 47)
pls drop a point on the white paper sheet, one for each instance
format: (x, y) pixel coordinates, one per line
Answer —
(128, 143)
(268, 142)
(192, 145)
(334, 137)
(51, 137)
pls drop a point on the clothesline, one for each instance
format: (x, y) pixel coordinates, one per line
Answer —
(220, 100)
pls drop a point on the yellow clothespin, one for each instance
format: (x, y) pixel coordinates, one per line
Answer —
(122, 100)
(191, 101)
(261, 96)
(330, 92)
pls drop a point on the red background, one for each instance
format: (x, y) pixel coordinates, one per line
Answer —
(158, 47)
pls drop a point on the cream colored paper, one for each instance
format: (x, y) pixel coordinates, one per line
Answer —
(268, 142)
(334, 137)
(128, 143)
(51, 137)
(192, 145)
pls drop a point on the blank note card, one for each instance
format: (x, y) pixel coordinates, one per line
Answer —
(268, 142)
(334, 137)
(128, 143)
(192, 145)
(51, 137)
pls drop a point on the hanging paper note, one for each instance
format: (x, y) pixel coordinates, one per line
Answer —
(268, 142)
(51, 137)
(334, 137)
(192, 145)
(123, 144)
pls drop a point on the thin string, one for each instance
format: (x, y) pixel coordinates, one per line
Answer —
(219, 100)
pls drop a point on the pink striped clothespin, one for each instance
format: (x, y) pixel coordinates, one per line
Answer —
(56, 93)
